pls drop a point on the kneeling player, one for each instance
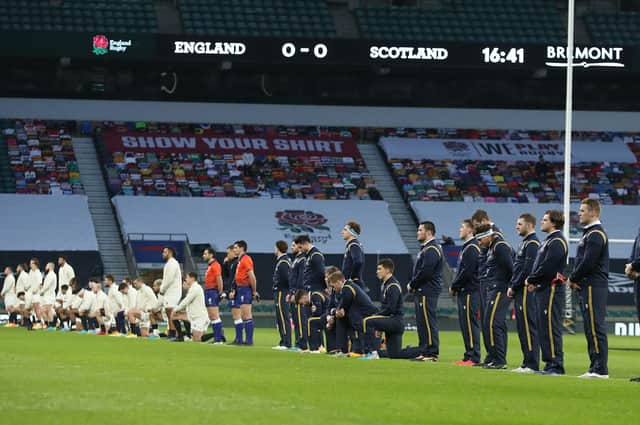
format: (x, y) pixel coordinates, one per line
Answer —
(389, 319)
(145, 302)
(317, 322)
(192, 307)
(63, 305)
(98, 313)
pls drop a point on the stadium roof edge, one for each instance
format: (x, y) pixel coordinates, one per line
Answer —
(359, 116)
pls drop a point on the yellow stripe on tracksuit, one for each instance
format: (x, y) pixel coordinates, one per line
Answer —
(375, 316)
(493, 314)
(593, 323)
(283, 328)
(526, 319)
(426, 318)
(550, 321)
(298, 307)
(309, 324)
(469, 321)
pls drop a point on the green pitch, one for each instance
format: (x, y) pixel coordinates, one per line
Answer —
(55, 378)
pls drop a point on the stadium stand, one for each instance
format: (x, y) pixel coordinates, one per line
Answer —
(217, 174)
(257, 18)
(41, 160)
(620, 29)
(525, 21)
(78, 15)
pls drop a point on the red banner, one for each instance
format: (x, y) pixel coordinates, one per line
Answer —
(230, 144)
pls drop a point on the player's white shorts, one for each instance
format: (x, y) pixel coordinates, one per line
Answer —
(28, 300)
(199, 325)
(172, 300)
(35, 299)
(47, 300)
(10, 300)
(144, 320)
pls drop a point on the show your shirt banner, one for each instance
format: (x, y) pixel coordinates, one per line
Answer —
(620, 221)
(261, 222)
(230, 144)
(504, 150)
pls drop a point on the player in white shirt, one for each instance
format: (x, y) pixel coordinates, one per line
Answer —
(8, 294)
(158, 310)
(99, 308)
(65, 272)
(130, 297)
(32, 297)
(22, 286)
(63, 306)
(84, 301)
(192, 307)
(47, 297)
(116, 307)
(139, 315)
(171, 287)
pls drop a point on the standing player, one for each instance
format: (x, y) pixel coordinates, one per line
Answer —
(33, 296)
(246, 288)
(548, 283)
(295, 283)
(353, 262)
(213, 288)
(280, 293)
(478, 218)
(8, 294)
(171, 287)
(312, 277)
(590, 278)
(65, 272)
(498, 272)
(466, 287)
(523, 301)
(426, 284)
(390, 317)
(192, 307)
(47, 297)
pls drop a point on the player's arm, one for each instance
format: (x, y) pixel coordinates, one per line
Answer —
(593, 250)
(186, 301)
(357, 259)
(503, 257)
(252, 282)
(219, 283)
(316, 305)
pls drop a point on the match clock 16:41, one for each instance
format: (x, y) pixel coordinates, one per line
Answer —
(497, 55)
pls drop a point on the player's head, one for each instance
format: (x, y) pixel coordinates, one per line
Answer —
(192, 277)
(336, 281)
(351, 230)
(281, 248)
(466, 229)
(20, 268)
(50, 267)
(34, 264)
(168, 252)
(62, 260)
(230, 252)
(303, 242)
(426, 231)
(7, 270)
(127, 281)
(480, 217)
(295, 249)
(156, 285)
(138, 283)
(109, 280)
(589, 211)
(20, 295)
(552, 220)
(95, 286)
(239, 247)
(485, 234)
(209, 254)
(302, 297)
(124, 288)
(64, 289)
(328, 271)
(384, 269)
(525, 224)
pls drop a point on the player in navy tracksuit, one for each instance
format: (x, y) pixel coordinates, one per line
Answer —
(546, 281)
(481, 217)
(523, 301)
(295, 283)
(466, 287)
(312, 277)
(317, 302)
(229, 266)
(280, 291)
(354, 305)
(426, 284)
(632, 270)
(353, 262)
(390, 317)
(590, 278)
(498, 272)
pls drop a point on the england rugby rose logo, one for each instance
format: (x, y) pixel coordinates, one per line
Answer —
(100, 45)
(299, 221)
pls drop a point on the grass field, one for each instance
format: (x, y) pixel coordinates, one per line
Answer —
(54, 378)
